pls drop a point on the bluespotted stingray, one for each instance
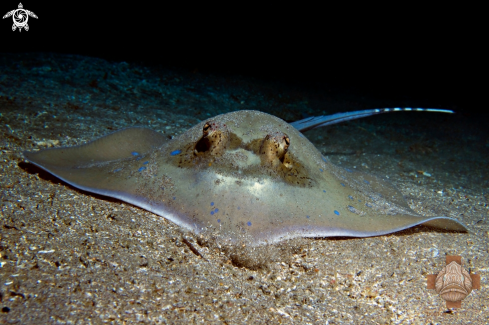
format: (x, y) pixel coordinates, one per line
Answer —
(245, 174)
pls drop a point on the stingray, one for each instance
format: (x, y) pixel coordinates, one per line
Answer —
(244, 174)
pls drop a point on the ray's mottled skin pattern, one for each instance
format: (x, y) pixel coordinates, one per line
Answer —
(245, 174)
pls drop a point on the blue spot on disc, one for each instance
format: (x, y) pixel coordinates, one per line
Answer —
(145, 163)
(336, 212)
(176, 152)
(216, 210)
(249, 223)
(366, 182)
(307, 217)
(174, 197)
(141, 169)
(350, 197)
(342, 184)
(321, 170)
(134, 153)
(212, 212)
(212, 204)
(117, 170)
(219, 220)
(324, 191)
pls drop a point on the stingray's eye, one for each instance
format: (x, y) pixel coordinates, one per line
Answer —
(215, 137)
(274, 148)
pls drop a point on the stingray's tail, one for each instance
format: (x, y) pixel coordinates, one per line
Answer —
(319, 121)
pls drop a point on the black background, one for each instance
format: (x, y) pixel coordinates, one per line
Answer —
(414, 56)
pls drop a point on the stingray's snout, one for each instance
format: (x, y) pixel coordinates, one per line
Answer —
(215, 137)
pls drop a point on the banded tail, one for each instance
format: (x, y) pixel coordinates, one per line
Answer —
(313, 122)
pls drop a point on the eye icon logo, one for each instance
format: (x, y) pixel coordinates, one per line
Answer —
(20, 17)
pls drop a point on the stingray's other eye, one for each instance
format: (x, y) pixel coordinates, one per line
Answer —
(274, 147)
